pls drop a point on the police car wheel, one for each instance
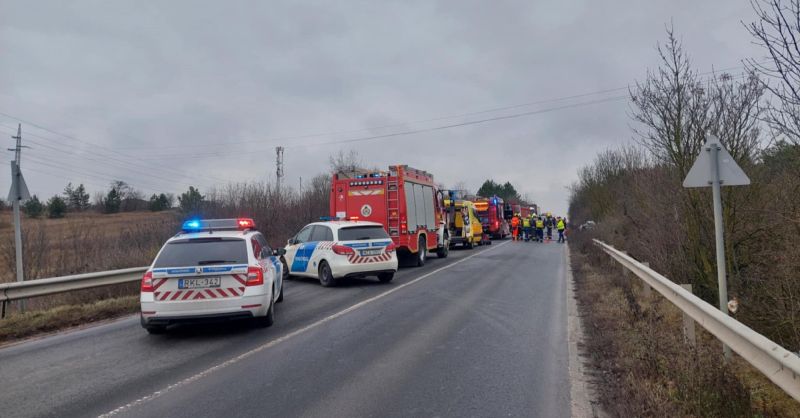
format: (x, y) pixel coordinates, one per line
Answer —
(325, 274)
(156, 329)
(385, 277)
(285, 270)
(280, 295)
(268, 319)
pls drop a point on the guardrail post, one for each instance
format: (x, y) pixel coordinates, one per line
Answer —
(688, 323)
(3, 313)
(646, 290)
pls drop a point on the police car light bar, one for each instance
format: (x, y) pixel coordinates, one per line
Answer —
(197, 225)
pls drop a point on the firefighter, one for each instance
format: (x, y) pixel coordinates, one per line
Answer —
(561, 226)
(540, 229)
(526, 228)
(515, 227)
(548, 223)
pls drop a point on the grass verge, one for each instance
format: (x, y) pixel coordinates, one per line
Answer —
(643, 366)
(23, 325)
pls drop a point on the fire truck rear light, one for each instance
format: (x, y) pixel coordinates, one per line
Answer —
(147, 282)
(342, 250)
(255, 277)
(354, 218)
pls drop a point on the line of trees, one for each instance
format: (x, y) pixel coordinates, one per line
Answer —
(635, 192)
(120, 197)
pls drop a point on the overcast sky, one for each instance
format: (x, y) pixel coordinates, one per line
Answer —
(171, 93)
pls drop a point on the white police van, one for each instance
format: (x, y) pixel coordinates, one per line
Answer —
(213, 270)
(331, 250)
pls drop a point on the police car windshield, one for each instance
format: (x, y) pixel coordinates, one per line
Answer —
(360, 233)
(203, 251)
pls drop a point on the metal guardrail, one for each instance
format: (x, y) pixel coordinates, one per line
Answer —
(54, 285)
(777, 363)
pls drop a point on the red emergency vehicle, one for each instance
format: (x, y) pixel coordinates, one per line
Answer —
(490, 211)
(405, 200)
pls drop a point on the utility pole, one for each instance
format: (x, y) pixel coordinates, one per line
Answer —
(279, 164)
(18, 193)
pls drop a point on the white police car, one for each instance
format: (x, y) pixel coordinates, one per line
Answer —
(335, 249)
(213, 270)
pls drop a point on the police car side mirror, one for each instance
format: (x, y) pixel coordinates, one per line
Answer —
(291, 241)
(279, 252)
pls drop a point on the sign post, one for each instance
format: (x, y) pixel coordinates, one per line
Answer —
(716, 168)
(18, 194)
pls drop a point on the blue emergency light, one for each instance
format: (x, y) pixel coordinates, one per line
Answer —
(192, 225)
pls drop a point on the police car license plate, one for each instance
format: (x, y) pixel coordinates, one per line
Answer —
(376, 251)
(199, 282)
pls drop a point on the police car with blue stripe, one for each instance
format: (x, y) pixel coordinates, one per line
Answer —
(213, 270)
(335, 249)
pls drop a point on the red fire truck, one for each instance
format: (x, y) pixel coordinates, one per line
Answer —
(490, 211)
(405, 200)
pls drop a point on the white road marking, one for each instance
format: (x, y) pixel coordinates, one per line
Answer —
(279, 340)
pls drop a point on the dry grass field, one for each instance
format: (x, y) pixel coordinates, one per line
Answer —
(84, 242)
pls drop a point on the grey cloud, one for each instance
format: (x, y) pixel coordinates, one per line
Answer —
(202, 77)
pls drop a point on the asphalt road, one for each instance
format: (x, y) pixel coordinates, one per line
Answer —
(482, 333)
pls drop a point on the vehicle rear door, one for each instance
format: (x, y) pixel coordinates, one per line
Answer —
(200, 268)
(369, 243)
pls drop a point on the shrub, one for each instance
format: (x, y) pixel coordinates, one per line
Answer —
(33, 207)
(56, 207)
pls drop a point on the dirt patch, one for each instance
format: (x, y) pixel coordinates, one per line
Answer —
(24, 325)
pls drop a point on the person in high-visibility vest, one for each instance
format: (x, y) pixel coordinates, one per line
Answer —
(526, 228)
(561, 226)
(515, 227)
(540, 229)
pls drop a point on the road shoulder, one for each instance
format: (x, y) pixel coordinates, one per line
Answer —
(582, 395)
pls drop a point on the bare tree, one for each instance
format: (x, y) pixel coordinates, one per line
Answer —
(671, 107)
(345, 162)
(777, 29)
(735, 113)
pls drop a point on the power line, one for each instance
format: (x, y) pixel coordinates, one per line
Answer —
(93, 174)
(140, 164)
(109, 161)
(401, 124)
(422, 130)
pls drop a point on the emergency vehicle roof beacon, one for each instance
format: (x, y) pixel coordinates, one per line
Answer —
(213, 270)
(332, 250)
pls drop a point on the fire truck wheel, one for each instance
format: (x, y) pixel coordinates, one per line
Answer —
(385, 277)
(422, 252)
(443, 251)
(325, 274)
